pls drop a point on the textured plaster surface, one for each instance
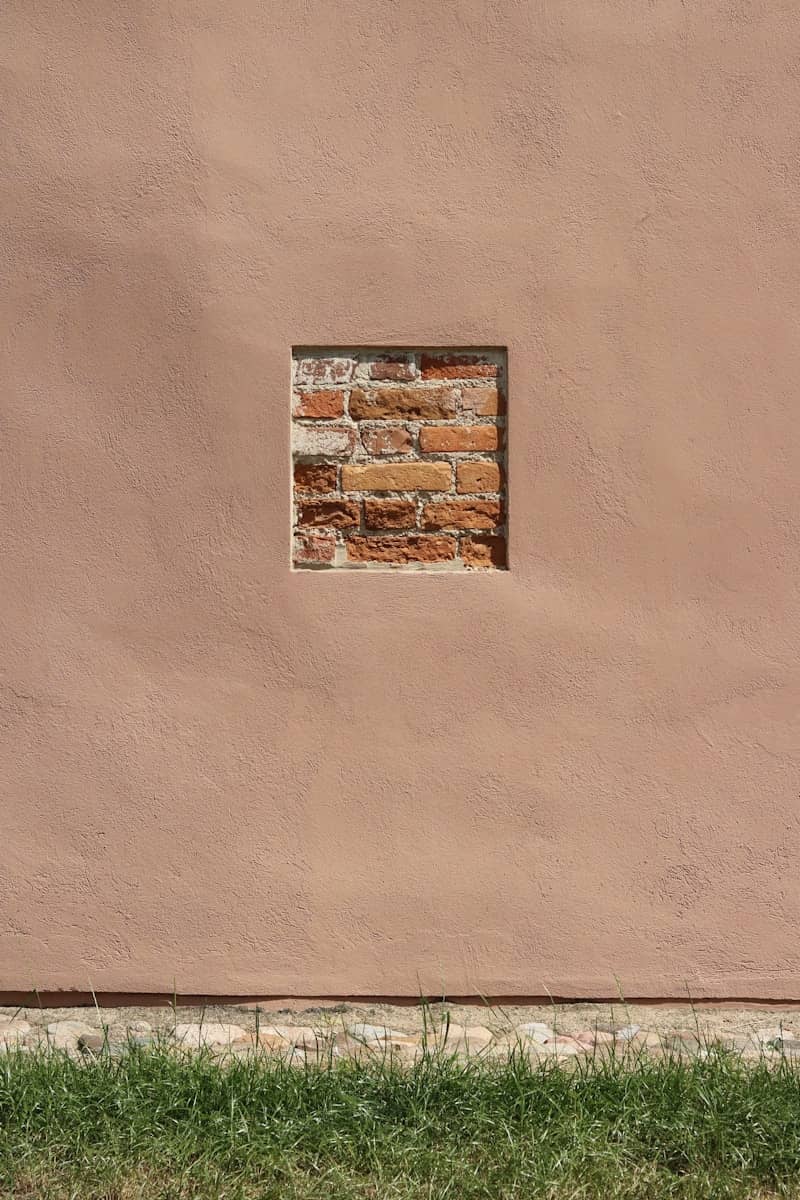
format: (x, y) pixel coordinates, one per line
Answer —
(225, 777)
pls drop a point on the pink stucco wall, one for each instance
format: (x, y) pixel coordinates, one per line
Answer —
(225, 777)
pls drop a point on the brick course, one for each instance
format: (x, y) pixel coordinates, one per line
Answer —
(398, 459)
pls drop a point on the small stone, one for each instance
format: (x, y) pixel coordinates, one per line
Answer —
(13, 1033)
(594, 1037)
(64, 1035)
(98, 1043)
(469, 1038)
(143, 1040)
(91, 1041)
(772, 1038)
(536, 1031)
(194, 1036)
(373, 1033)
(367, 1040)
(686, 1039)
(565, 1044)
(286, 1037)
(627, 1033)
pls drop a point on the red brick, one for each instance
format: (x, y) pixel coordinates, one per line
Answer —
(401, 549)
(397, 477)
(458, 439)
(429, 404)
(386, 441)
(478, 477)
(335, 514)
(314, 547)
(462, 514)
(456, 366)
(398, 371)
(324, 406)
(315, 477)
(484, 551)
(390, 514)
(482, 401)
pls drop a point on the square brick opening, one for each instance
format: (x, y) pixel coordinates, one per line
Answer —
(399, 459)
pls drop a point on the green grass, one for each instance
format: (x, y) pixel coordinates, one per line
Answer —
(151, 1125)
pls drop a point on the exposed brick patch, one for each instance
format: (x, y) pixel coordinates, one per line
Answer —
(389, 514)
(319, 405)
(398, 459)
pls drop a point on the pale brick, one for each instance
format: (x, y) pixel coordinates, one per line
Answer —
(334, 441)
(325, 370)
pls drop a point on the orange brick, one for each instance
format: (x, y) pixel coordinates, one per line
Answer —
(462, 514)
(315, 477)
(397, 477)
(456, 366)
(401, 549)
(336, 514)
(477, 477)
(458, 439)
(482, 401)
(390, 514)
(314, 548)
(427, 404)
(324, 406)
(484, 551)
(387, 441)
